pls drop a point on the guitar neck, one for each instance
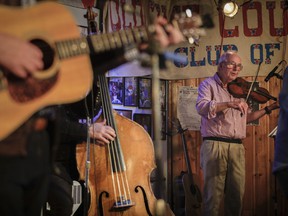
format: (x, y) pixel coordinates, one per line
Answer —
(101, 43)
(119, 39)
(189, 169)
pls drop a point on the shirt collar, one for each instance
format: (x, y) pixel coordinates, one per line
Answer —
(218, 80)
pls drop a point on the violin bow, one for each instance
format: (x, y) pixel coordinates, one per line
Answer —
(252, 85)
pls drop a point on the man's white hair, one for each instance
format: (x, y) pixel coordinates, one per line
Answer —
(225, 56)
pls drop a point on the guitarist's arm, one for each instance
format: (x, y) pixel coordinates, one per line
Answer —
(18, 56)
(164, 34)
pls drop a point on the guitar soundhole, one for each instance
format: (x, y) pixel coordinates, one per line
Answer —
(48, 52)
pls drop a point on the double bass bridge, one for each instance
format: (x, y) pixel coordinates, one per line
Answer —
(122, 203)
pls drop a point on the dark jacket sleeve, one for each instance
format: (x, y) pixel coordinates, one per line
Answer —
(70, 128)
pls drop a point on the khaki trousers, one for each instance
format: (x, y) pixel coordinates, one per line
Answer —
(223, 167)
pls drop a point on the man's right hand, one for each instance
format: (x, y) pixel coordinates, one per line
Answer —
(240, 105)
(18, 56)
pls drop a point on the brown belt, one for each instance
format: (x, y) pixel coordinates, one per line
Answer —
(221, 139)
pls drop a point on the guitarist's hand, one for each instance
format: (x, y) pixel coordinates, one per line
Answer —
(166, 34)
(18, 56)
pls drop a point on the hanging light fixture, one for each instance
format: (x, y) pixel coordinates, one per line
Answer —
(230, 9)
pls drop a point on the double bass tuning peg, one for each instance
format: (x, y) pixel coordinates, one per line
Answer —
(91, 16)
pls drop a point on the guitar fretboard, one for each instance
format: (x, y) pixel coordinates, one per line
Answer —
(102, 42)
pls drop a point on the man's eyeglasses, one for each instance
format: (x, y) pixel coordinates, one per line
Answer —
(232, 65)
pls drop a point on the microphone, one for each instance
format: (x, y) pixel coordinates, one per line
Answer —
(272, 73)
(175, 57)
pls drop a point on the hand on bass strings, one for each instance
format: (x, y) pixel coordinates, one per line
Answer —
(18, 56)
(102, 133)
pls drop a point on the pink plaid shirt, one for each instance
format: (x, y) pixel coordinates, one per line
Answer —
(227, 123)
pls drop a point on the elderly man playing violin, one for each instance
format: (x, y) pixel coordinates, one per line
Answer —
(223, 126)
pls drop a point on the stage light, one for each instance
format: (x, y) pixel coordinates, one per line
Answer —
(230, 9)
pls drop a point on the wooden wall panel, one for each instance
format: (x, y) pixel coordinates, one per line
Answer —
(262, 193)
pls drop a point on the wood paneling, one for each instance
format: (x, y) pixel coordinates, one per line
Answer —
(262, 193)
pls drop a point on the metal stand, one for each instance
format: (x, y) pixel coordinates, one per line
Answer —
(87, 169)
(157, 119)
(275, 190)
(272, 134)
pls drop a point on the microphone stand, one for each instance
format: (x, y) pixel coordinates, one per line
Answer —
(87, 169)
(275, 189)
(92, 29)
(157, 132)
(160, 208)
(157, 119)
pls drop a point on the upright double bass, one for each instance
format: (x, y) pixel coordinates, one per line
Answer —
(119, 178)
(119, 173)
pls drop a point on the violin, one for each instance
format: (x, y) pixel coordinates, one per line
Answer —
(240, 88)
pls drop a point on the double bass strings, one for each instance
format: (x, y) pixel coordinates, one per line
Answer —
(106, 106)
(116, 158)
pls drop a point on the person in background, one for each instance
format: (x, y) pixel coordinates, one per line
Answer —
(223, 127)
(280, 164)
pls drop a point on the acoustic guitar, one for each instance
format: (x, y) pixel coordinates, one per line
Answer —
(192, 193)
(67, 75)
